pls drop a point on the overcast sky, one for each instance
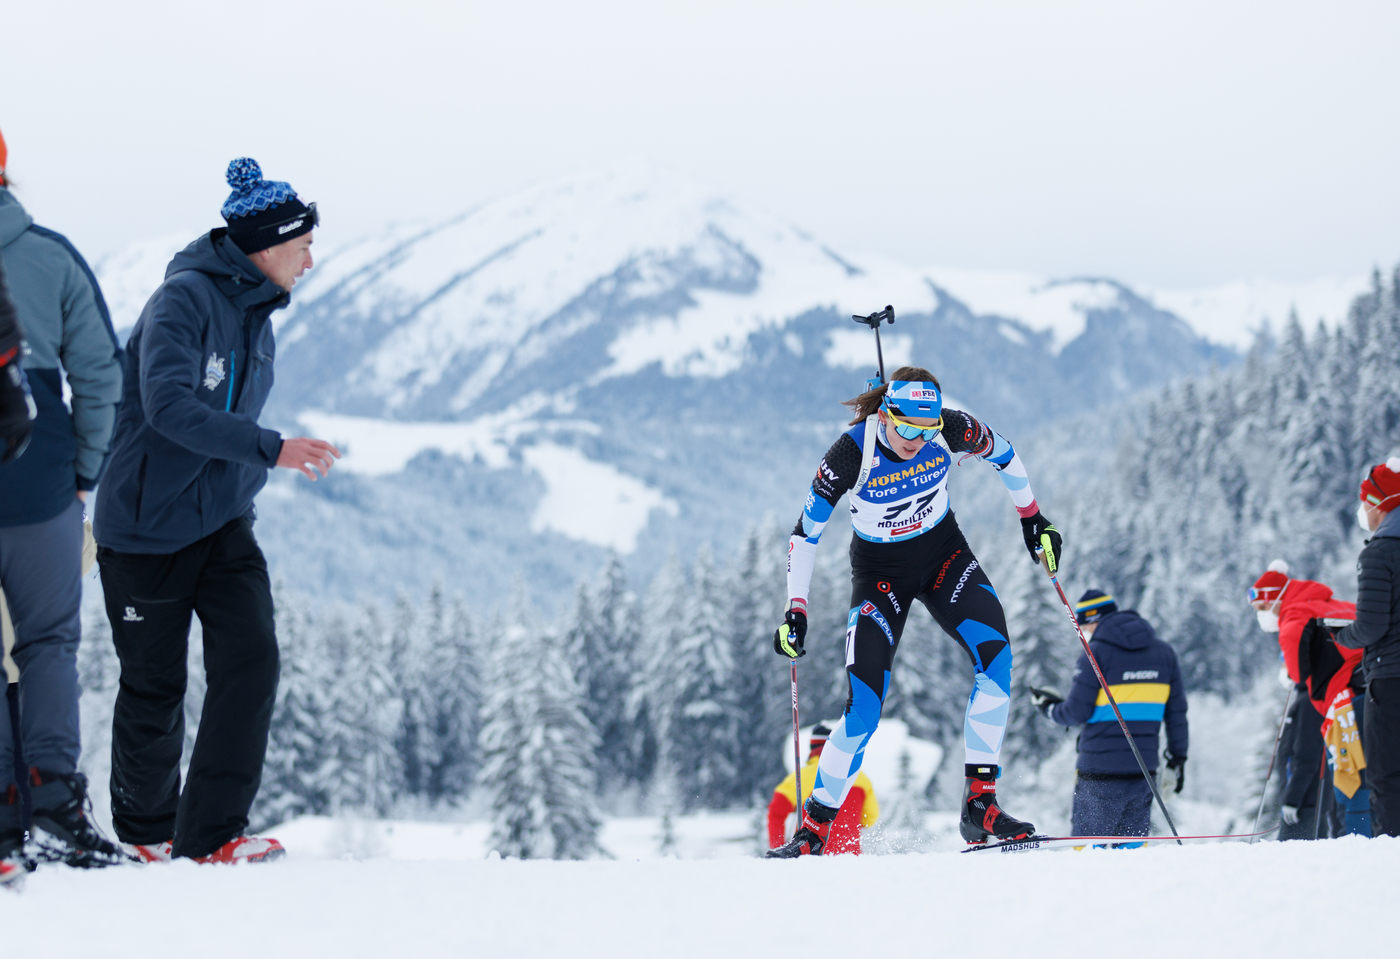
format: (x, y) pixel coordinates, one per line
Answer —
(1172, 144)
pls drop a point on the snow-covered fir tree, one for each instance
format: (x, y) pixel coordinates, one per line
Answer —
(295, 771)
(453, 683)
(409, 665)
(537, 745)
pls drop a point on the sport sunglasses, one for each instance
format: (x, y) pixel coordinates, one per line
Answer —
(911, 432)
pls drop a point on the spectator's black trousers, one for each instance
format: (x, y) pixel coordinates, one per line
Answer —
(222, 579)
(1380, 740)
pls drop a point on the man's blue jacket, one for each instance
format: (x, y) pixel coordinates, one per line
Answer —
(188, 455)
(1146, 681)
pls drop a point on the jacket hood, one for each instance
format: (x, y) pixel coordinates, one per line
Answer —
(216, 256)
(14, 220)
(1125, 629)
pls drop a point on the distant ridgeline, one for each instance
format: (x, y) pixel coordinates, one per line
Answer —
(1231, 471)
(719, 451)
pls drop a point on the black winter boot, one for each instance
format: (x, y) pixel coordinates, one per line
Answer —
(982, 818)
(811, 834)
(62, 831)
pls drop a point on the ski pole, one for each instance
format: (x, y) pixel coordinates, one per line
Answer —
(1273, 757)
(796, 742)
(1321, 784)
(1108, 693)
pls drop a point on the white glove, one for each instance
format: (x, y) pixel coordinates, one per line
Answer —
(1290, 815)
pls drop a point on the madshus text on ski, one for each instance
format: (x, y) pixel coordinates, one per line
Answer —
(164, 430)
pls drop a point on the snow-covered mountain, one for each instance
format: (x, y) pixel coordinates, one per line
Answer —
(623, 360)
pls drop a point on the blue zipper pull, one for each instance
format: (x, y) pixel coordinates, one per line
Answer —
(232, 370)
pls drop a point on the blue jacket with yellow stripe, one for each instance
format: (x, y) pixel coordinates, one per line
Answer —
(1146, 680)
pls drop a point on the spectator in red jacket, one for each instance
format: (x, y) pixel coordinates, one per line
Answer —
(1305, 615)
(861, 808)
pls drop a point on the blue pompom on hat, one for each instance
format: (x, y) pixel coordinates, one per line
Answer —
(263, 213)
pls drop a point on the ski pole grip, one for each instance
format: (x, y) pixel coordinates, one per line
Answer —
(1044, 563)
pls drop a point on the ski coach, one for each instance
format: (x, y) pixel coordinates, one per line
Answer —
(175, 528)
(1111, 795)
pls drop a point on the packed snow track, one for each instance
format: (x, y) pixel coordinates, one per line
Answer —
(1167, 901)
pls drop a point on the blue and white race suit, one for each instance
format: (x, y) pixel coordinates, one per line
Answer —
(907, 545)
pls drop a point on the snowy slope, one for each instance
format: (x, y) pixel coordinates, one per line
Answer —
(1235, 900)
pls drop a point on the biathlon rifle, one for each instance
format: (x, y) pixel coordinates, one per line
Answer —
(868, 452)
(873, 321)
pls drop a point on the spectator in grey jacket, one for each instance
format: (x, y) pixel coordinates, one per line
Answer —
(66, 328)
(1377, 630)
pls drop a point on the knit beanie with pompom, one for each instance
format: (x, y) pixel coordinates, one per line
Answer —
(1270, 586)
(263, 213)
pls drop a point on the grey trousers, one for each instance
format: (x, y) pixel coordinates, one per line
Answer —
(41, 574)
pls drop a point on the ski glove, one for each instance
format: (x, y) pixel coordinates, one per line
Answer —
(1177, 763)
(1290, 815)
(1045, 700)
(17, 409)
(1040, 533)
(789, 637)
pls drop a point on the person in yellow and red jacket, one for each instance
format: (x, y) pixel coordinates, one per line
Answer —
(1305, 615)
(860, 810)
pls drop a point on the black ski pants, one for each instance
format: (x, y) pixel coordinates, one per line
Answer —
(1380, 741)
(222, 579)
(939, 569)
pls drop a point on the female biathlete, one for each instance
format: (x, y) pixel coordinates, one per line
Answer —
(907, 546)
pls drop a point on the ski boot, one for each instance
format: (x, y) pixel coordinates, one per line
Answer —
(148, 853)
(62, 831)
(811, 835)
(982, 818)
(245, 849)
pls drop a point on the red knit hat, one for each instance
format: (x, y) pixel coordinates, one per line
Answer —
(4, 155)
(1270, 586)
(1381, 488)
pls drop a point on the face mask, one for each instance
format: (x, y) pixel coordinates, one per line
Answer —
(1361, 519)
(1268, 621)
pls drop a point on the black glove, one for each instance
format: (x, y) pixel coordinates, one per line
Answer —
(788, 638)
(17, 410)
(1045, 700)
(1041, 533)
(1178, 763)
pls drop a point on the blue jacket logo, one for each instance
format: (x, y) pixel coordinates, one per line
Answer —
(213, 372)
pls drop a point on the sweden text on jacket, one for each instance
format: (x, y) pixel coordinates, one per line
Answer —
(1146, 681)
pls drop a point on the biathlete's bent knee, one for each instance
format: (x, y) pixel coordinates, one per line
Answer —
(999, 670)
